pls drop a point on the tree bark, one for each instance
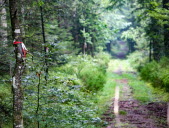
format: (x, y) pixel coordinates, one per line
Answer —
(38, 98)
(3, 30)
(45, 47)
(156, 50)
(19, 66)
(150, 51)
(168, 114)
(166, 31)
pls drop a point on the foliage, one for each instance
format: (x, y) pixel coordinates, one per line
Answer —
(117, 21)
(90, 71)
(62, 104)
(93, 77)
(67, 99)
(102, 58)
(74, 27)
(5, 102)
(157, 73)
(138, 59)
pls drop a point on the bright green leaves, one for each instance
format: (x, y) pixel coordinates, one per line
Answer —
(38, 3)
(86, 36)
(161, 14)
(157, 73)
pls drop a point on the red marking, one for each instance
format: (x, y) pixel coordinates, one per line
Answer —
(16, 42)
(24, 51)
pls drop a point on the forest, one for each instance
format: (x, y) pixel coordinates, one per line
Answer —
(84, 63)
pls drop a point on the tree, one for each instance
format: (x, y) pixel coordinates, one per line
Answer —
(44, 41)
(166, 31)
(20, 52)
(3, 31)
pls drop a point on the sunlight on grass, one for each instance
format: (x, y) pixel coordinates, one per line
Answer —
(122, 65)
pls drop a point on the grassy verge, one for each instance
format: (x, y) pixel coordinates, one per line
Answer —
(142, 91)
(106, 95)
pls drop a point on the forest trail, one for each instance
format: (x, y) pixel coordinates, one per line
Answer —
(128, 112)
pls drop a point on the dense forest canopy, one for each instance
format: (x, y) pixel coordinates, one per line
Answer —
(55, 54)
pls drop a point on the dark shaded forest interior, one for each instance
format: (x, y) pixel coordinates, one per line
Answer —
(84, 63)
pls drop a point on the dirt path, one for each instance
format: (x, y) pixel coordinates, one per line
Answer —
(126, 112)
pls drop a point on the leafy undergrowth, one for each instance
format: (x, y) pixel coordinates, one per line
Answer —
(68, 99)
(5, 102)
(71, 98)
(157, 74)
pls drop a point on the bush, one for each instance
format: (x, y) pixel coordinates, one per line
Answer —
(5, 102)
(66, 101)
(93, 77)
(157, 73)
(103, 60)
(63, 104)
(138, 59)
(91, 71)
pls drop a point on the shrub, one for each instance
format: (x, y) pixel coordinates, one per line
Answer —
(102, 59)
(5, 102)
(93, 77)
(157, 73)
(138, 59)
(91, 71)
(63, 102)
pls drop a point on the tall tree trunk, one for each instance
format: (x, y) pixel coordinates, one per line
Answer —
(84, 45)
(19, 66)
(3, 30)
(150, 52)
(156, 50)
(108, 47)
(168, 114)
(38, 99)
(45, 47)
(156, 42)
(166, 31)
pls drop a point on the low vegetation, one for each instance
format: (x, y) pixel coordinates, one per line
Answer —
(68, 100)
(157, 74)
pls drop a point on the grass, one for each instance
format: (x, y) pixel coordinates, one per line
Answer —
(145, 93)
(105, 96)
(122, 112)
(141, 90)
